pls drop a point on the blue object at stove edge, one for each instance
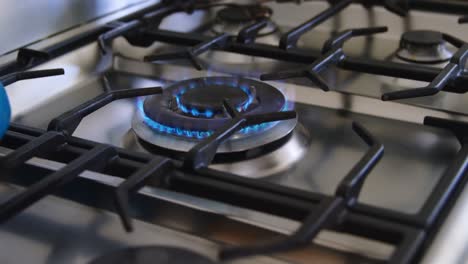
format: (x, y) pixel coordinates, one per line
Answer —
(5, 111)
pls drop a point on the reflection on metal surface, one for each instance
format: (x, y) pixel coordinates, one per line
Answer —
(278, 161)
(101, 231)
(61, 15)
(451, 244)
(94, 233)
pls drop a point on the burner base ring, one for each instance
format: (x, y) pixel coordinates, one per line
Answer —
(237, 143)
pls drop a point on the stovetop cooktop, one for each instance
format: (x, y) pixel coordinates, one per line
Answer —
(240, 132)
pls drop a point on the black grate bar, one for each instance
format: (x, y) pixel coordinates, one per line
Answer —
(123, 28)
(407, 240)
(269, 117)
(399, 7)
(18, 76)
(450, 72)
(453, 40)
(70, 120)
(402, 7)
(72, 43)
(290, 38)
(154, 169)
(312, 71)
(248, 193)
(324, 214)
(339, 40)
(332, 55)
(44, 144)
(95, 159)
(444, 6)
(27, 57)
(408, 247)
(350, 187)
(443, 191)
(248, 34)
(104, 39)
(363, 65)
(191, 53)
(203, 153)
(454, 173)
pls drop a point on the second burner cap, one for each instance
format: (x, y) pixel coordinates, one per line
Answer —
(422, 37)
(423, 46)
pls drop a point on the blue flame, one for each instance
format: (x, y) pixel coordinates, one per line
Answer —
(198, 134)
(168, 129)
(209, 113)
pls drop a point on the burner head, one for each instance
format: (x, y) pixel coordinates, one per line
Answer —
(191, 110)
(244, 14)
(233, 18)
(422, 38)
(423, 46)
(152, 255)
(207, 99)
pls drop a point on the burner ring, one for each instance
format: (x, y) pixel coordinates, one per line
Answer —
(164, 114)
(239, 142)
(189, 101)
(159, 120)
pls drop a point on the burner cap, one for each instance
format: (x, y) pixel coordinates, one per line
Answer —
(422, 37)
(423, 46)
(207, 100)
(152, 255)
(243, 14)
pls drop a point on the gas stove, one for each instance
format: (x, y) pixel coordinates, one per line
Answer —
(239, 132)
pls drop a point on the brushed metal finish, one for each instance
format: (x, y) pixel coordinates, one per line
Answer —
(27, 21)
(60, 231)
(102, 229)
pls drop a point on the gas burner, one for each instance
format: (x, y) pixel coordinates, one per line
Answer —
(153, 255)
(423, 46)
(191, 110)
(233, 18)
(418, 47)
